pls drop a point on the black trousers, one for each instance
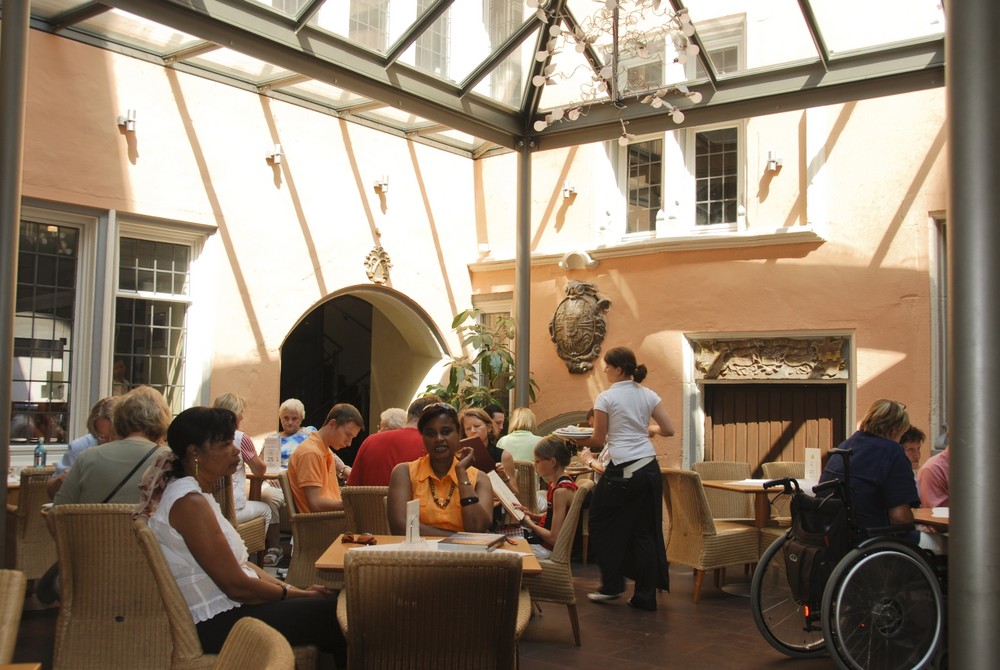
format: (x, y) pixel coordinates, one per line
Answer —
(303, 621)
(626, 527)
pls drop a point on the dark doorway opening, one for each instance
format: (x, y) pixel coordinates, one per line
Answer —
(327, 360)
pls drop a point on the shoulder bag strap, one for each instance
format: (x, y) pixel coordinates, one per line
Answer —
(131, 472)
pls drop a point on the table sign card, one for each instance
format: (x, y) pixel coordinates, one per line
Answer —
(812, 464)
(272, 454)
(412, 522)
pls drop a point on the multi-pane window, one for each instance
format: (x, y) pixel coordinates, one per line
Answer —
(43, 331)
(716, 176)
(503, 18)
(369, 24)
(645, 183)
(434, 44)
(151, 317)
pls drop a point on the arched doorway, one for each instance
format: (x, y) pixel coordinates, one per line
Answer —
(368, 346)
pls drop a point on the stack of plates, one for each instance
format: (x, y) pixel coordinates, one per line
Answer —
(573, 432)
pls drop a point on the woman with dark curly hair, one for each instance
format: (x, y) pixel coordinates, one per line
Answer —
(206, 555)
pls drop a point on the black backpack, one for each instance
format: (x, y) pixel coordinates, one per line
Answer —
(820, 536)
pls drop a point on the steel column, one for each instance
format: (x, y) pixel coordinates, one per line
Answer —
(522, 275)
(973, 238)
(13, 87)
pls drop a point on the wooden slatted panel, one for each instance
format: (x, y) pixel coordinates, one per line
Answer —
(758, 423)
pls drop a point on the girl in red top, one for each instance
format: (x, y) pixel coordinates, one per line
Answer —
(552, 455)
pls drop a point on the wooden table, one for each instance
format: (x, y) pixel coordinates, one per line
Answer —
(333, 557)
(256, 483)
(761, 496)
(20, 666)
(925, 516)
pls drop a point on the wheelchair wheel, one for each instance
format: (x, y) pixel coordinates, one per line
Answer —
(780, 619)
(883, 609)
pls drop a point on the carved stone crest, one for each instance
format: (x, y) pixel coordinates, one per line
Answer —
(772, 358)
(578, 325)
(377, 265)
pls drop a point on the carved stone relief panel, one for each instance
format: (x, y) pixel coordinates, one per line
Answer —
(377, 265)
(578, 325)
(772, 358)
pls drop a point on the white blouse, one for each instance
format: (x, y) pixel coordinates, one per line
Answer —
(204, 598)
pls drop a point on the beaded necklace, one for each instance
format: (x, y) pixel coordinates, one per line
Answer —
(441, 503)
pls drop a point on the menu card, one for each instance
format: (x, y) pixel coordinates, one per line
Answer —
(272, 454)
(813, 461)
(505, 496)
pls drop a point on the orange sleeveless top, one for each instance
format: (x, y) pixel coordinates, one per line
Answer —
(448, 517)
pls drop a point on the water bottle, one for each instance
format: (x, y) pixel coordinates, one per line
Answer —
(40, 454)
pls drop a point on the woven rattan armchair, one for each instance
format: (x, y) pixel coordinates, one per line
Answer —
(410, 609)
(365, 508)
(253, 644)
(527, 485)
(253, 531)
(726, 504)
(187, 652)
(30, 547)
(312, 534)
(110, 613)
(12, 587)
(555, 583)
(697, 540)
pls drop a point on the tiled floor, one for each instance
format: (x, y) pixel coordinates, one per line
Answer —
(716, 634)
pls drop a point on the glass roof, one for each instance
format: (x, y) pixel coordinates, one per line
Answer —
(475, 75)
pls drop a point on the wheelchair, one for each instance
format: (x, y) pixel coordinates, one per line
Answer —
(870, 598)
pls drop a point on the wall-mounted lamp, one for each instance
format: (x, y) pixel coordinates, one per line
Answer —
(568, 191)
(127, 121)
(274, 155)
(382, 185)
(773, 162)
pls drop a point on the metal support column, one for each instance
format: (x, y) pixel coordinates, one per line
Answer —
(522, 275)
(973, 91)
(13, 86)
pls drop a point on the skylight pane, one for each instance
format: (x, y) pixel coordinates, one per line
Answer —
(237, 65)
(506, 82)
(849, 25)
(323, 93)
(287, 7)
(124, 28)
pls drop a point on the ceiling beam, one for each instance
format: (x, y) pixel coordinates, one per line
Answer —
(910, 68)
(251, 30)
(814, 32)
(308, 12)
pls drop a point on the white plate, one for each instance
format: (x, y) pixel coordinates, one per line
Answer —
(573, 432)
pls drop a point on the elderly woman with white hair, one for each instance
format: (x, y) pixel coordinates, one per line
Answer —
(291, 414)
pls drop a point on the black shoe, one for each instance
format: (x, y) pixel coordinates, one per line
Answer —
(639, 605)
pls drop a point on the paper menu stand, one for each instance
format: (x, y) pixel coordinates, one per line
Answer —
(412, 522)
(812, 465)
(272, 454)
(506, 496)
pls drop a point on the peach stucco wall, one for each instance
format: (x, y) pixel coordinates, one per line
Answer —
(866, 175)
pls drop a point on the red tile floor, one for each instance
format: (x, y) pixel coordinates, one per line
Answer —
(716, 634)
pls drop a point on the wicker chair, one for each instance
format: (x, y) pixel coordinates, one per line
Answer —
(12, 588)
(312, 534)
(253, 644)
(780, 504)
(365, 507)
(253, 531)
(187, 652)
(555, 583)
(527, 485)
(402, 608)
(726, 505)
(110, 613)
(698, 541)
(30, 547)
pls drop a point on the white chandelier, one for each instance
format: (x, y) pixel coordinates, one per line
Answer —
(628, 31)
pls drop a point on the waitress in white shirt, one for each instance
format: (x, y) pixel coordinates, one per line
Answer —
(626, 514)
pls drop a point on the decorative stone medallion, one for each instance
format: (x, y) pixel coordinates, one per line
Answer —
(578, 325)
(377, 265)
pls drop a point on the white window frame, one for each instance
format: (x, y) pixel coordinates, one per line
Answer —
(677, 197)
(721, 33)
(197, 348)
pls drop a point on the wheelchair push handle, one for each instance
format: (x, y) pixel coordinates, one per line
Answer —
(790, 484)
